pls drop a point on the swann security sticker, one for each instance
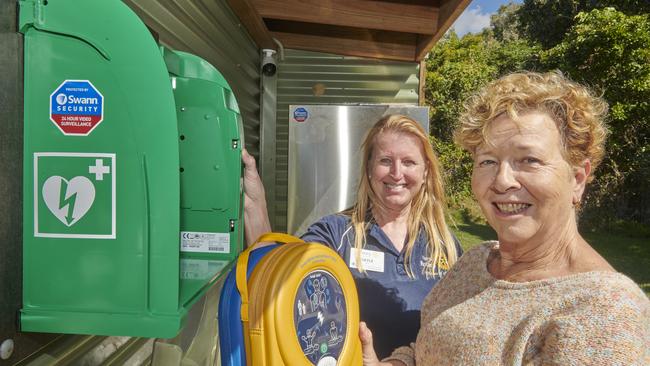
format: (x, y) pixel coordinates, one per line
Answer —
(76, 107)
(300, 114)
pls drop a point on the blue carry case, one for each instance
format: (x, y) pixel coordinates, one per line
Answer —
(231, 334)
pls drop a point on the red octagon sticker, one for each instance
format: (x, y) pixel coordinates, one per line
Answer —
(76, 107)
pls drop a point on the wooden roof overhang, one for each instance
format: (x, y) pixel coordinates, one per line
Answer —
(402, 30)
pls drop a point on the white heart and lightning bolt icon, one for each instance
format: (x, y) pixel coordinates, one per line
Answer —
(69, 200)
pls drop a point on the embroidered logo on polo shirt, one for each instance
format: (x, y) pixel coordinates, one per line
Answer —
(442, 264)
(426, 263)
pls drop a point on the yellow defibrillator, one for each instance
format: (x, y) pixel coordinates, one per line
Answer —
(299, 306)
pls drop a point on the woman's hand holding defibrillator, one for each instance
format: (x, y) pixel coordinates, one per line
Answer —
(369, 355)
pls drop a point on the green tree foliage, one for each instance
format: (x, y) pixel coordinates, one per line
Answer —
(461, 66)
(548, 21)
(456, 67)
(457, 166)
(611, 52)
(505, 23)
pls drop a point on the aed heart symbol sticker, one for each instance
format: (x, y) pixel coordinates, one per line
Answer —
(70, 200)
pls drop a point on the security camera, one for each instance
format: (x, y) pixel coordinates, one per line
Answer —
(269, 66)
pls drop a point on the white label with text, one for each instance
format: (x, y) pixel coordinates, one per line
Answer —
(199, 242)
(372, 260)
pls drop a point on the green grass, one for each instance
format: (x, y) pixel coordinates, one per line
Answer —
(469, 231)
(626, 249)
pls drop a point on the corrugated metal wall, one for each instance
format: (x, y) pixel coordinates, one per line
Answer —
(209, 28)
(319, 78)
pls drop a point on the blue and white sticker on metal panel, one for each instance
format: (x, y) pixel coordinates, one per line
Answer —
(300, 114)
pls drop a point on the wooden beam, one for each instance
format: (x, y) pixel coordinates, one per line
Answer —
(344, 40)
(422, 82)
(253, 23)
(383, 15)
(449, 11)
(347, 47)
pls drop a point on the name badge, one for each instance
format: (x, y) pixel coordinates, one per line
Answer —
(372, 260)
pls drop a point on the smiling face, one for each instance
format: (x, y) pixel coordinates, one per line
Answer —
(523, 184)
(396, 169)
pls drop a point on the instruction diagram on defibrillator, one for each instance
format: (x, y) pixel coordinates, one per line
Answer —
(320, 317)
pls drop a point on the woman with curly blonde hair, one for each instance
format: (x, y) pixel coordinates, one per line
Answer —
(540, 294)
(394, 239)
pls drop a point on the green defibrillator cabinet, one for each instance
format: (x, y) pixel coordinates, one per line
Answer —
(132, 196)
(210, 136)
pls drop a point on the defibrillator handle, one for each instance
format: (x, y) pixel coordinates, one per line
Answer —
(242, 265)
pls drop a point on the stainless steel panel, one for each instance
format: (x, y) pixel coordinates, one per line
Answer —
(325, 157)
(343, 80)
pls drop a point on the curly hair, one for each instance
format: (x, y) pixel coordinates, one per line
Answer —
(577, 112)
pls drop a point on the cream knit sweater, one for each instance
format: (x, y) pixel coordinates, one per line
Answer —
(471, 318)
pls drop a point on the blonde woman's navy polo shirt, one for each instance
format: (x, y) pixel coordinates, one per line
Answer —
(389, 299)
